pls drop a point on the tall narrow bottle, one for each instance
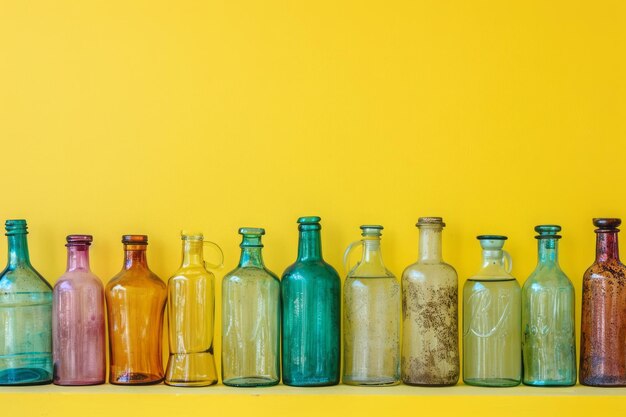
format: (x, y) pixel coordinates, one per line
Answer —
(371, 316)
(311, 291)
(191, 310)
(25, 316)
(430, 338)
(78, 320)
(492, 340)
(548, 343)
(603, 328)
(250, 318)
(135, 302)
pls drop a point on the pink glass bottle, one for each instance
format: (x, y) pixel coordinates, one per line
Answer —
(78, 344)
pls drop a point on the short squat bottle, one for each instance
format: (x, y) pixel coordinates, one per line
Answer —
(78, 320)
(191, 310)
(25, 316)
(371, 316)
(430, 338)
(548, 335)
(311, 291)
(603, 329)
(135, 300)
(492, 340)
(251, 318)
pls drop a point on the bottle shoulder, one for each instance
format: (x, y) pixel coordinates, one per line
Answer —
(136, 277)
(420, 271)
(606, 270)
(547, 276)
(196, 272)
(318, 269)
(23, 278)
(82, 278)
(250, 273)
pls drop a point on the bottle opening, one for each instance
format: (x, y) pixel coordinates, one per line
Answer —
(135, 239)
(14, 227)
(251, 237)
(548, 231)
(430, 221)
(78, 240)
(607, 224)
(191, 235)
(371, 230)
(309, 223)
(491, 242)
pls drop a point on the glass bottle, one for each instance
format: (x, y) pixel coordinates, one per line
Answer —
(311, 291)
(430, 338)
(191, 315)
(135, 302)
(603, 328)
(250, 318)
(492, 340)
(78, 320)
(371, 316)
(25, 315)
(548, 337)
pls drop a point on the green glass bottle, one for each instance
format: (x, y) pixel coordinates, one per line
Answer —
(25, 316)
(311, 291)
(492, 340)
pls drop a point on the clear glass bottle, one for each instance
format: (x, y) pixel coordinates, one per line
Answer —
(25, 315)
(311, 294)
(492, 340)
(191, 315)
(603, 316)
(251, 318)
(371, 316)
(78, 319)
(548, 338)
(135, 300)
(430, 338)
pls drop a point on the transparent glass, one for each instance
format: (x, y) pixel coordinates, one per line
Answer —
(135, 303)
(371, 316)
(548, 338)
(603, 327)
(78, 320)
(250, 318)
(430, 337)
(191, 315)
(25, 316)
(492, 340)
(311, 293)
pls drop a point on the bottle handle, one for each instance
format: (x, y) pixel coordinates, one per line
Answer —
(509, 261)
(346, 255)
(219, 250)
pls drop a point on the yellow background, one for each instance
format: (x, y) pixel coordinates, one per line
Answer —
(152, 116)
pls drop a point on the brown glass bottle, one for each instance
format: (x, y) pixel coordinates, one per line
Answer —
(603, 328)
(135, 303)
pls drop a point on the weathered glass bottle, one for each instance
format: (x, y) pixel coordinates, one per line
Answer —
(603, 328)
(25, 316)
(492, 340)
(430, 338)
(311, 291)
(191, 316)
(548, 335)
(250, 318)
(78, 320)
(371, 316)
(135, 302)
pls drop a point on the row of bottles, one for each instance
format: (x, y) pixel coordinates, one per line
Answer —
(510, 334)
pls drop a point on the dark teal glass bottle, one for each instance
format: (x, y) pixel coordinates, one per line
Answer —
(25, 316)
(311, 291)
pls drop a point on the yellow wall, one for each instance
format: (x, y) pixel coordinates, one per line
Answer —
(151, 116)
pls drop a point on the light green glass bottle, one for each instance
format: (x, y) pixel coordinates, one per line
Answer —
(371, 316)
(492, 342)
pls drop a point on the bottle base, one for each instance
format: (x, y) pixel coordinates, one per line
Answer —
(250, 382)
(432, 385)
(549, 384)
(191, 370)
(78, 383)
(604, 381)
(25, 376)
(136, 378)
(371, 382)
(324, 383)
(175, 383)
(492, 382)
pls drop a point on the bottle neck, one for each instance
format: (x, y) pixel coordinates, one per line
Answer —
(493, 257)
(135, 256)
(251, 257)
(310, 245)
(430, 245)
(548, 251)
(606, 247)
(78, 258)
(18, 250)
(372, 254)
(193, 253)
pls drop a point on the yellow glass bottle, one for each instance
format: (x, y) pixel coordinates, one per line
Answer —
(135, 302)
(191, 315)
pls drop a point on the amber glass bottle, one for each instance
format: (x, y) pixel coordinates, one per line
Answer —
(135, 303)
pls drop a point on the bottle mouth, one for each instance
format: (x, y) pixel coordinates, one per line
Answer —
(15, 227)
(309, 223)
(191, 235)
(78, 240)
(607, 224)
(371, 230)
(251, 237)
(491, 242)
(135, 239)
(430, 221)
(548, 231)
(491, 237)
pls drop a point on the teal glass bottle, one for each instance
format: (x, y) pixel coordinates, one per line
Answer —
(311, 291)
(492, 320)
(25, 316)
(548, 337)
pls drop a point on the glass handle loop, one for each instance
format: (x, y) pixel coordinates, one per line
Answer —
(346, 255)
(219, 251)
(509, 261)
